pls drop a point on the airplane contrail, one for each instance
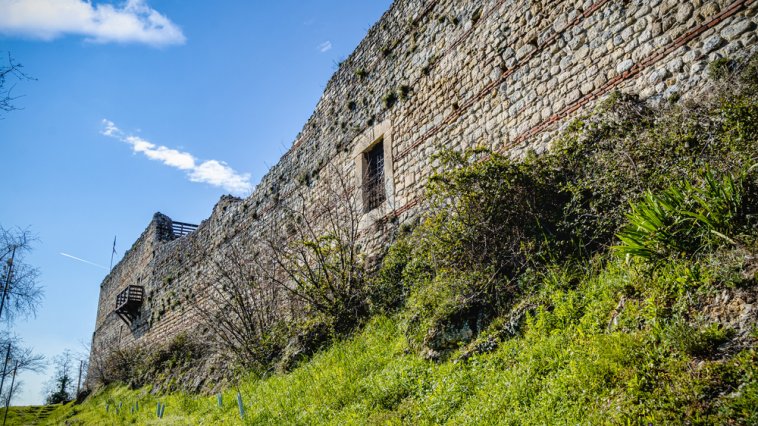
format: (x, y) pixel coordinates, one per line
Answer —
(82, 260)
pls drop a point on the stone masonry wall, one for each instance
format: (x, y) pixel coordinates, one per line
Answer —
(439, 74)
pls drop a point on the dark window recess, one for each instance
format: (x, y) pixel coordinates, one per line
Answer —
(128, 303)
(373, 181)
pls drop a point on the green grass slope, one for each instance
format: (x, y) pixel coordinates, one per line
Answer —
(568, 366)
(29, 415)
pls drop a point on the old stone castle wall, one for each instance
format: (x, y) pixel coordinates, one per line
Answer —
(431, 75)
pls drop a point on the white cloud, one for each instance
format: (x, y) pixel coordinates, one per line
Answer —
(131, 22)
(169, 157)
(111, 129)
(219, 173)
(213, 172)
(325, 46)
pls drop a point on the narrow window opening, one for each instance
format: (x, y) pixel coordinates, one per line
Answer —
(373, 181)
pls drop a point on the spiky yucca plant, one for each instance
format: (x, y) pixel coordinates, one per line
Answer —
(683, 219)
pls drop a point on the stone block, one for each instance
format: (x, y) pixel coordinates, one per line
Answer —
(735, 30)
(624, 66)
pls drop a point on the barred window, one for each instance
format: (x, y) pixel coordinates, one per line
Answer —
(373, 179)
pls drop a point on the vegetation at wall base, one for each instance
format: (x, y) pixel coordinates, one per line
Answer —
(611, 280)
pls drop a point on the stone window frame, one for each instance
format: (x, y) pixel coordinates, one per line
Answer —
(379, 133)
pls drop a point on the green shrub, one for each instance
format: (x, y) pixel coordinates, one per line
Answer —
(748, 75)
(389, 99)
(683, 219)
(389, 289)
(489, 212)
(607, 160)
(697, 342)
(720, 68)
(490, 219)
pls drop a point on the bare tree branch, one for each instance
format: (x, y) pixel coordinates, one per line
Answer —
(10, 70)
(18, 280)
(241, 309)
(317, 251)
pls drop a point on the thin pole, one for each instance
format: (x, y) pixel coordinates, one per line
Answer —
(10, 393)
(5, 367)
(113, 251)
(7, 280)
(78, 382)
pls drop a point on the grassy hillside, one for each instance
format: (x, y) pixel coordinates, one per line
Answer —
(581, 361)
(30, 415)
(611, 280)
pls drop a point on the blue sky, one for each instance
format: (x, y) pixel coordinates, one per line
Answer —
(144, 106)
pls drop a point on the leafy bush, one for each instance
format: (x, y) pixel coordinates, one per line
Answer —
(490, 213)
(173, 366)
(490, 219)
(683, 219)
(389, 289)
(720, 68)
(607, 160)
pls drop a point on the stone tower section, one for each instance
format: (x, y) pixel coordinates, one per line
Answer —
(434, 75)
